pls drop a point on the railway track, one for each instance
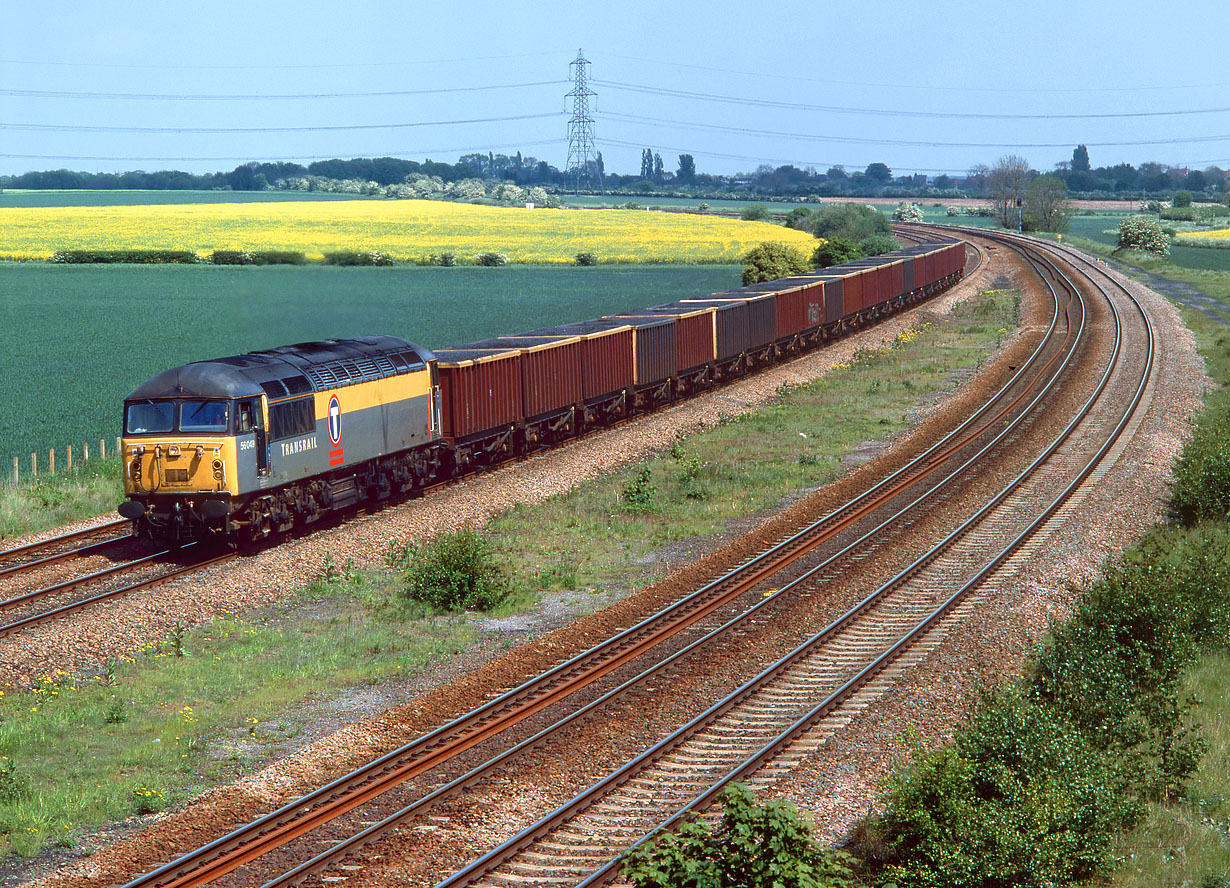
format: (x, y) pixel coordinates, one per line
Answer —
(80, 562)
(784, 713)
(31, 556)
(27, 609)
(306, 814)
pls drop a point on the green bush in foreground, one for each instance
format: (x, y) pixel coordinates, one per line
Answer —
(1017, 799)
(767, 846)
(1113, 671)
(453, 572)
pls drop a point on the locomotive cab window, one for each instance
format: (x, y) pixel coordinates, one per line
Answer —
(203, 416)
(248, 418)
(148, 417)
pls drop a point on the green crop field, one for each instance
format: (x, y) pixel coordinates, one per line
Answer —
(76, 339)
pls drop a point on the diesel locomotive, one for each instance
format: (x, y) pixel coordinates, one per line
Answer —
(247, 446)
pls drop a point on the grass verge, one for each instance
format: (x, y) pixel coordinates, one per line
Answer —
(148, 731)
(55, 500)
(1187, 840)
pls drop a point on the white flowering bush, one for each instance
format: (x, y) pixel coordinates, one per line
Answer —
(908, 212)
(1143, 233)
(417, 186)
(538, 197)
(466, 189)
(508, 193)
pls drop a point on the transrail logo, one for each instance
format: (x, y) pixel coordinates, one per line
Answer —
(337, 455)
(292, 447)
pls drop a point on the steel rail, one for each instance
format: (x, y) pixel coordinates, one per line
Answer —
(47, 560)
(76, 582)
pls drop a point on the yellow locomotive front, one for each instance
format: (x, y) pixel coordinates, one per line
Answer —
(179, 458)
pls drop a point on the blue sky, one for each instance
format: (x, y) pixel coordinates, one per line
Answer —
(734, 84)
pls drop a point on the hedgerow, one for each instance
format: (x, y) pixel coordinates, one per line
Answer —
(257, 257)
(358, 257)
(107, 257)
(1202, 471)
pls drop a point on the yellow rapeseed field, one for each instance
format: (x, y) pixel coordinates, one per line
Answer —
(404, 229)
(1221, 234)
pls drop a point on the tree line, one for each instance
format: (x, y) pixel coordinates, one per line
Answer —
(655, 175)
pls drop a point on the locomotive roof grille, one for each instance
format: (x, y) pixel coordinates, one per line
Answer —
(289, 370)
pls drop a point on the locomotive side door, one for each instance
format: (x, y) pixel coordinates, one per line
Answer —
(251, 434)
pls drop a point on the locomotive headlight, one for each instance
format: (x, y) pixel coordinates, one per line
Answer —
(200, 451)
(172, 450)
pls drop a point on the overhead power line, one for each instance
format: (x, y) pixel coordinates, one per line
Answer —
(909, 143)
(246, 158)
(89, 128)
(243, 97)
(400, 63)
(931, 86)
(885, 112)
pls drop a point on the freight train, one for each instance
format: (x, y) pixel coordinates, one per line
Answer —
(241, 448)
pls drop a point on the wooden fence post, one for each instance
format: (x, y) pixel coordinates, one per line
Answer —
(102, 448)
(85, 452)
(117, 444)
(51, 462)
(16, 478)
(34, 464)
(69, 468)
